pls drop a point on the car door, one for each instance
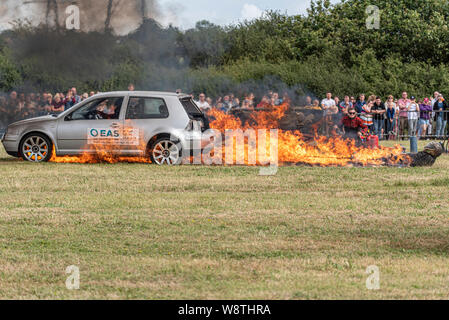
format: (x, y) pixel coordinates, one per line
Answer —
(92, 126)
(144, 117)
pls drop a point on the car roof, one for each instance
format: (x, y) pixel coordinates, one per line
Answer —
(144, 93)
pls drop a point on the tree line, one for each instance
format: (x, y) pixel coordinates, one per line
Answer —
(328, 49)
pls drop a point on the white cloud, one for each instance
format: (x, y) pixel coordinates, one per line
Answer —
(251, 11)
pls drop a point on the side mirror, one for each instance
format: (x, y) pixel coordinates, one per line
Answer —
(68, 118)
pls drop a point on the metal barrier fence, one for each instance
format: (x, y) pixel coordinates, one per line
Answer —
(423, 125)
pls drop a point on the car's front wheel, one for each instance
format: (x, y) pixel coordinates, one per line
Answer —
(36, 147)
(166, 152)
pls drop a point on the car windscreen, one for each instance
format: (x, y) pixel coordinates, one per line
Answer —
(191, 107)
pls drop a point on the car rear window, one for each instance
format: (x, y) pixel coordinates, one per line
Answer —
(146, 108)
(190, 107)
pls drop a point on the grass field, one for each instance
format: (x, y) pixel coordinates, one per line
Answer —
(145, 232)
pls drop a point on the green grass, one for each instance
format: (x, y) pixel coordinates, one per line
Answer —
(145, 232)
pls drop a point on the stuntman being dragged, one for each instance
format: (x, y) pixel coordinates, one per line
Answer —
(352, 126)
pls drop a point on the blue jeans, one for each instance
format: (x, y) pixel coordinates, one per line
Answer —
(441, 127)
(421, 123)
(378, 125)
(390, 125)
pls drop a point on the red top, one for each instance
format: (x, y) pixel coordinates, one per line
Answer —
(354, 123)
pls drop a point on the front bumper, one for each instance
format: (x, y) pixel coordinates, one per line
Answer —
(11, 147)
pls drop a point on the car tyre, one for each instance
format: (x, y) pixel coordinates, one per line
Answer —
(166, 152)
(36, 147)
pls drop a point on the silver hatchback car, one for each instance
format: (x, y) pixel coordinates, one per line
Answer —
(159, 125)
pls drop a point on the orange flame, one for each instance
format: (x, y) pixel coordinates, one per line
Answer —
(292, 147)
(322, 151)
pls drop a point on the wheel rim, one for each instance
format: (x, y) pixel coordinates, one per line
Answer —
(166, 152)
(35, 149)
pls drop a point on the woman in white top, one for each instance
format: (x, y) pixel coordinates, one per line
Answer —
(413, 116)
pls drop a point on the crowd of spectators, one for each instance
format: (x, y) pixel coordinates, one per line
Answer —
(18, 106)
(389, 119)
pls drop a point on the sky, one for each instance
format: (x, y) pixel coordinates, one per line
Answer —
(223, 12)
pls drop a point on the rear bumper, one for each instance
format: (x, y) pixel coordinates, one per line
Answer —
(194, 140)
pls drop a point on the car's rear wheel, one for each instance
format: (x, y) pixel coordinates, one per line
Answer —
(36, 147)
(165, 152)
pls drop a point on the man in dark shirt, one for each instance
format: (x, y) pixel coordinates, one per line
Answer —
(352, 125)
(378, 109)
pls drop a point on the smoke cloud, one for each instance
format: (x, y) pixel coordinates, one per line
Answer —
(120, 16)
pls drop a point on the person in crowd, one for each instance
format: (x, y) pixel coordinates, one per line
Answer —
(21, 102)
(337, 101)
(92, 93)
(272, 103)
(352, 125)
(366, 115)
(69, 100)
(353, 101)
(425, 109)
(391, 116)
(249, 99)
(202, 103)
(316, 105)
(359, 104)
(432, 123)
(76, 97)
(227, 103)
(328, 102)
(332, 118)
(246, 105)
(403, 113)
(309, 101)
(413, 115)
(441, 117)
(58, 105)
(210, 102)
(220, 106)
(49, 101)
(13, 102)
(131, 87)
(345, 105)
(326, 105)
(378, 111)
(235, 102)
(84, 96)
(286, 98)
(264, 103)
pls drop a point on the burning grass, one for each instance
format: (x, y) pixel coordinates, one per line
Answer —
(149, 232)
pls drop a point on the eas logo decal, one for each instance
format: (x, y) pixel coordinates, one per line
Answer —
(127, 136)
(104, 133)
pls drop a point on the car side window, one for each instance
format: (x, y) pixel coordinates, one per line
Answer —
(99, 109)
(146, 108)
